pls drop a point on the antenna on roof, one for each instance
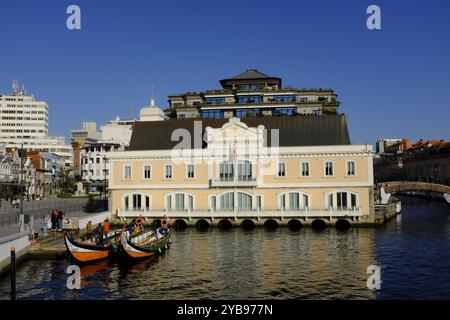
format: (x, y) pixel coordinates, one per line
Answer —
(15, 85)
(152, 91)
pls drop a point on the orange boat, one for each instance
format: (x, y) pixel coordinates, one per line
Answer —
(87, 251)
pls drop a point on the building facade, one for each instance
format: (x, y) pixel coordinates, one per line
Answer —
(252, 94)
(252, 168)
(93, 157)
(24, 121)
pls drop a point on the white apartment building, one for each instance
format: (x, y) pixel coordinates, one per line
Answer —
(117, 131)
(24, 120)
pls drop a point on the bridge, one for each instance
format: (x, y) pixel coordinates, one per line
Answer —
(397, 186)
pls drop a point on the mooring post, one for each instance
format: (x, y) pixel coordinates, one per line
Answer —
(13, 273)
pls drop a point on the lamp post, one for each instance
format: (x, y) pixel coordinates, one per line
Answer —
(21, 216)
(104, 181)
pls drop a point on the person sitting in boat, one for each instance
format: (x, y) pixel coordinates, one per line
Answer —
(165, 222)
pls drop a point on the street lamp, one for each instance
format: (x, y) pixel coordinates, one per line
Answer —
(104, 181)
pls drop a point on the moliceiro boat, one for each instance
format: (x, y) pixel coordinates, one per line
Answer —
(144, 244)
(88, 251)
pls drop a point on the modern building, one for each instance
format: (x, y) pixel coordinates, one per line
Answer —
(255, 168)
(117, 131)
(252, 94)
(93, 159)
(86, 134)
(24, 121)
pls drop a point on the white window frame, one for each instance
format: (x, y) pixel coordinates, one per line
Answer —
(301, 169)
(302, 206)
(172, 195)
(325, 168)
(125, 172)
(354, 168)
(130, 200)
(143, 172)
(285, 169)
(349, 201)
(171, 171)
(193, 171)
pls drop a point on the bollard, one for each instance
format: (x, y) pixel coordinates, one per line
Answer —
(13, 273)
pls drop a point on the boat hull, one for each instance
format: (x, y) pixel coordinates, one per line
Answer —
(135, 251)
(86, 253)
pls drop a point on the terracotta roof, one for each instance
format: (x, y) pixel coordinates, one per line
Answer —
(293, 131)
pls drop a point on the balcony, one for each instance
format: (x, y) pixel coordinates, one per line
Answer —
(234, 182)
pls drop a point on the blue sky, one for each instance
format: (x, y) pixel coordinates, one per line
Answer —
(392, 82)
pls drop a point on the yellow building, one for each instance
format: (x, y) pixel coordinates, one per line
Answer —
(299, 169)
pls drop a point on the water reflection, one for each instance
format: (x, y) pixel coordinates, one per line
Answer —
(413, 253)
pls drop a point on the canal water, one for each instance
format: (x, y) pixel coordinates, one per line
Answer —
(412, 250)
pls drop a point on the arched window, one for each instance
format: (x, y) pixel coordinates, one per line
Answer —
(227, 201)
(244, 201)
(342, 200)
(179, 202)
(293, 201)
(136, 202)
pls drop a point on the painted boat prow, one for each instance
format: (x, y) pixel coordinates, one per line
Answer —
(82, 253)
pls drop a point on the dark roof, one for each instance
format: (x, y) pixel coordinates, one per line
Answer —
(294, 131)
(251, 74)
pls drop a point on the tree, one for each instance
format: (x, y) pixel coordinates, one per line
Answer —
(67, 180)
(91, 206)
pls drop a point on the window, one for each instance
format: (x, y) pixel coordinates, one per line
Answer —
(342, 200)
(305, 169)
(127, 173)
(137, 202)
(179, 202)
(227, 201)
(351, 168)
(213, 203)
(97, 160)
(213, 114)
(281, 169)
(244, 171)
(190, 171)
(168, 171)
(328, 168)
(147, 172)
(258, 203)
(294, 201)
(215, 100)
(244, 202)
(182, 116)
(249, 99)
(288, 111)
(243, 113)
(226, 171)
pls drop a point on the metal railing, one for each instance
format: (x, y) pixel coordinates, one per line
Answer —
(306, 212)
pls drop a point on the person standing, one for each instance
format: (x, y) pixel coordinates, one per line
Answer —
(106, 228)
(60, 219)
(89, 230)
(54, 219)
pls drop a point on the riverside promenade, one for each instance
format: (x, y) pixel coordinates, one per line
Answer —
(34, 240)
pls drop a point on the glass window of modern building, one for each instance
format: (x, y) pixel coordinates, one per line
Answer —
(288, 111)
(249, 99)
(211, 114)
(244, 113)
(283, 98)
(215, 100)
